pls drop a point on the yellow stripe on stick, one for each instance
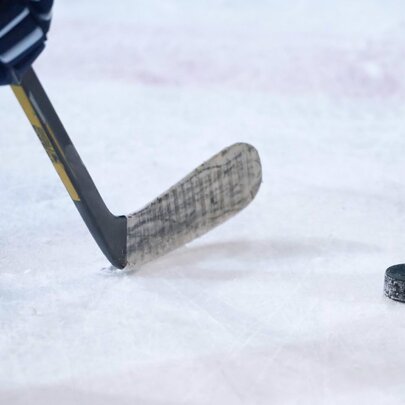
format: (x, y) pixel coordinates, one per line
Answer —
(46, 142)
(26, 105)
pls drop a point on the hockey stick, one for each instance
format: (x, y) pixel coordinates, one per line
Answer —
(208, 196)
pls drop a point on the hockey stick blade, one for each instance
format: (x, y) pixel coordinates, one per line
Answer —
(208, 196)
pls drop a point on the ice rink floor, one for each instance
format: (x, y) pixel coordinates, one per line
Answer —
(281, 305)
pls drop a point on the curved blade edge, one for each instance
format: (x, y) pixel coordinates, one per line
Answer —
(211, 194)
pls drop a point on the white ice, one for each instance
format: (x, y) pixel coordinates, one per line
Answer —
(281, 305)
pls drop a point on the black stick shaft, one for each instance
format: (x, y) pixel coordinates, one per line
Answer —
(109, 231)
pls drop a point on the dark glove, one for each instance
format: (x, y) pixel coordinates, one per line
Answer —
(23, 28)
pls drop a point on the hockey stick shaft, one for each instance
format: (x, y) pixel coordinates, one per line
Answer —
(109, 231)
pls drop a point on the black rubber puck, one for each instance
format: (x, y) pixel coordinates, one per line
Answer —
(394, 283)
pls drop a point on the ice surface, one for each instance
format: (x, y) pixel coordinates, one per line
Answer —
(283, 304)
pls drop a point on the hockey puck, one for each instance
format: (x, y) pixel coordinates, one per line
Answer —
(394, 283)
